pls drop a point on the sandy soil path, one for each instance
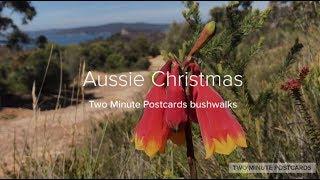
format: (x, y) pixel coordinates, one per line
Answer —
(53, 129)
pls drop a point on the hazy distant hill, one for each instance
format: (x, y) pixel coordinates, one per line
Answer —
(88, 33)
(107, 28)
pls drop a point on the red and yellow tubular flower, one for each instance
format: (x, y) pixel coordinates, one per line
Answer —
(151, 133)
(220, 131)
(176, 116)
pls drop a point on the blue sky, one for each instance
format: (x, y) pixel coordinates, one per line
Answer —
(66, 14)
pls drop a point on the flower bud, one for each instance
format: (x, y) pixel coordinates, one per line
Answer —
(205, 35)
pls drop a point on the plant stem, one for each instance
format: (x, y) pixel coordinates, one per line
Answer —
(190, 151)
(312, 129)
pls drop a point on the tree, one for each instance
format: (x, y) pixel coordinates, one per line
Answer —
(16, 38)
(23, 8)
(41, 41)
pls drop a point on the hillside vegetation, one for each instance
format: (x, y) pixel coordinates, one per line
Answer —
(119, 53)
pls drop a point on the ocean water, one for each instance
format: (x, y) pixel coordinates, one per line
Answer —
(67, 39)
(64, 39)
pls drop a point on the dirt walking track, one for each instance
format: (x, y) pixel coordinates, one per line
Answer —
(53, 129)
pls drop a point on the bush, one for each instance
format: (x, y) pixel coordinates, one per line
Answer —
(96, 55)
(114, 61)
(36, 64)
(119, 53)
(19, 73)
(142, 63)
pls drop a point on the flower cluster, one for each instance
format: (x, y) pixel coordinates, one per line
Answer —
(294, 84)
(220, 131)
(291, 84)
